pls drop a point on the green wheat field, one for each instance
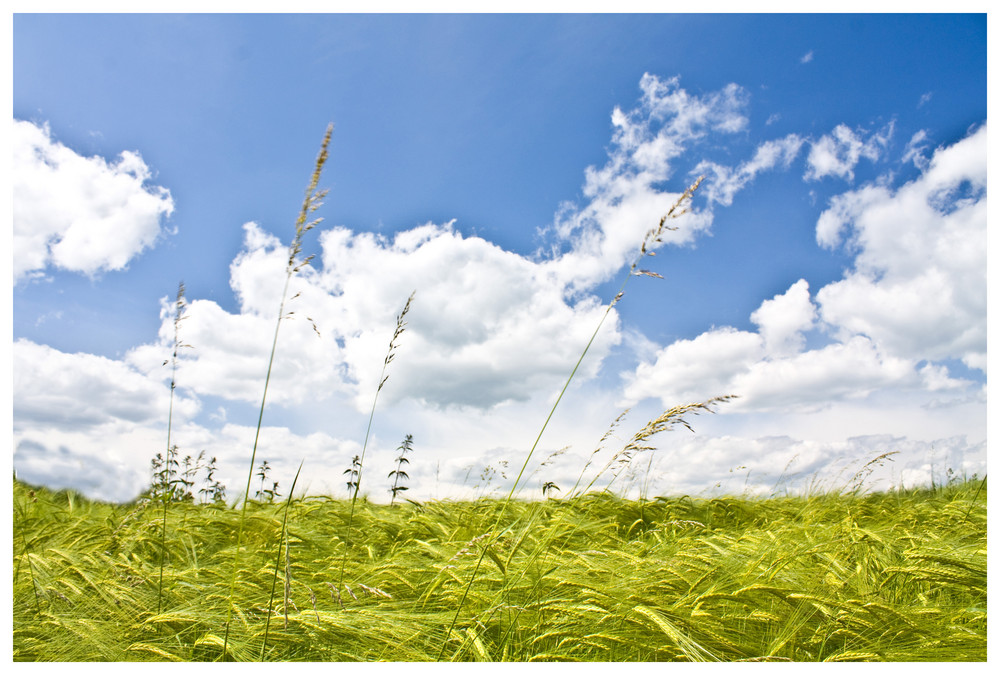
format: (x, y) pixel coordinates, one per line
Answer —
(188, 574)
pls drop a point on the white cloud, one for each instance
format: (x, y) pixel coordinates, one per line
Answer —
(837, 153)
(916, 295)
(624, 199)
(768, 369)
(88, 422)
(783, 319)
(70, 391)
(726, 182)
(81, 214)
(693, 370)
(918, 287)
(915, 149)
(807, 57)
(486, 326)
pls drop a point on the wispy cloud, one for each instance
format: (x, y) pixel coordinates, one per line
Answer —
(807, 57)
(624, 197)
(915, 149)
(726, 182)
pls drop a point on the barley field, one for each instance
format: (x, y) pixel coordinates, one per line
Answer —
(896, 576)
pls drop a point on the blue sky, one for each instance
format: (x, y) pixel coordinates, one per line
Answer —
(505, 167)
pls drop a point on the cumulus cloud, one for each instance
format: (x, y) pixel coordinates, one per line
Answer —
(837, 153)
(70, 391)
(915, 297)
(88, 422)
(486, 326)
(918, 287)
(784, 319)
(767, 369)
(82, 214)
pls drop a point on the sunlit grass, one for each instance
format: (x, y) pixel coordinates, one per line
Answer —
(897, 576)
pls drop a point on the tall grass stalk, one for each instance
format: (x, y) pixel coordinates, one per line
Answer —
(277, 562)
(167, 492)
(22, 523)
(312, 201)
(653, 237)
(382, 378)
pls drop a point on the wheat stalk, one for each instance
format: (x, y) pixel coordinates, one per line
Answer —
(310, 204)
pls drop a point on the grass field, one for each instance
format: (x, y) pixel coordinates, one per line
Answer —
(894, 576)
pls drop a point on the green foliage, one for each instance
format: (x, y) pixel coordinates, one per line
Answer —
(897, 576)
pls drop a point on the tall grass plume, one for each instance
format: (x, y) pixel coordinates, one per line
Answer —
(312, 202)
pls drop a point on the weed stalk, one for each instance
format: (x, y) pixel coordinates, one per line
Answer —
(179, 305)
(390, 355)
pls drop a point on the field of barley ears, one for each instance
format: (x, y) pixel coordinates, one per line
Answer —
(581, 575)
(898, 576)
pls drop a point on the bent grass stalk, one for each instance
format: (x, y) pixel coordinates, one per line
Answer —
(382, 378)
(310, 204)
(167, 489)
(653, 236)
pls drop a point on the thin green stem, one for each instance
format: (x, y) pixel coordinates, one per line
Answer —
(652, 237)
(309, 205)
(179, 310)
(974, 498)
(390, 355)
(277, 561)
